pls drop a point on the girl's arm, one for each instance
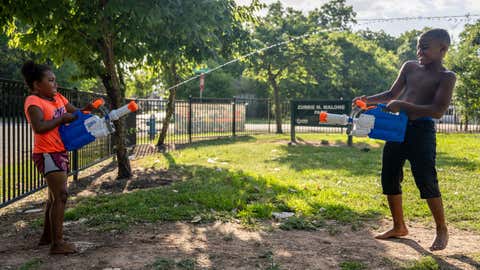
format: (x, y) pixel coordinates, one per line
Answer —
(71, 109)
(39, 125)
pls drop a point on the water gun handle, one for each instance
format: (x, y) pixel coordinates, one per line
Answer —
(98, 102)
(122, 111)
(363, 105)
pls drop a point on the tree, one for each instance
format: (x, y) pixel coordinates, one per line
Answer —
(382, 39)
(192, 36)
(345, 65)
(279, 63)
(465, 62)
(97, 35)
(407, 50)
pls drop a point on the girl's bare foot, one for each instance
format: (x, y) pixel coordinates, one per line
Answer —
(63, 248)
(393, 233)
(441, 240)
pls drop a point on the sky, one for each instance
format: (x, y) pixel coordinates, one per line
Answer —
(367, 9)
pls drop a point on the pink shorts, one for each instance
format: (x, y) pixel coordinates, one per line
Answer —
(51, 162)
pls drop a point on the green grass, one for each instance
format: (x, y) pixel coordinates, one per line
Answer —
(352, 265)
(425, 263)
(250, 177)
(32, 264)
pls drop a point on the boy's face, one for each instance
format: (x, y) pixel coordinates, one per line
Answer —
(48, 85)
(430, 50)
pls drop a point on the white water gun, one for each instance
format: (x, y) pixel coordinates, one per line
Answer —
(372, 121)
(88, 127)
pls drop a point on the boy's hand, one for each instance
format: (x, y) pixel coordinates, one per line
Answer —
(68, 117)
(395, 106)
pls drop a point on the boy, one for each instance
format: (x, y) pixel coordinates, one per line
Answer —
(423, 90)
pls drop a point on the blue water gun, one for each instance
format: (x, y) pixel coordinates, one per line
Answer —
(373, 121)
(87, 127)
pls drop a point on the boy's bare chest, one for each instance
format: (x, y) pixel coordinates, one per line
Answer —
(421, 86)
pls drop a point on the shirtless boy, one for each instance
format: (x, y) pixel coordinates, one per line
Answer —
(423, 90)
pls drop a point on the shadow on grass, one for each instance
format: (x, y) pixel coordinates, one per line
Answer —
(446, 160)
(210, 194)
(338, 156)
(216, 141)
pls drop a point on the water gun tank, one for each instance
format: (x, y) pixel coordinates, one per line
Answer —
(75, 134)
(388, 126)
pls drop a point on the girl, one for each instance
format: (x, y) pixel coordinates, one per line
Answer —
(46, 110)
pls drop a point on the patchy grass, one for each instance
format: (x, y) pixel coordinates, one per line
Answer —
(32, 264)
(426, 263)
(169, 264)
(250, 177)
(352, 265)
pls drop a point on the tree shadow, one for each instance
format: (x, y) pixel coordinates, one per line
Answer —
(444, 159)
(358, 160)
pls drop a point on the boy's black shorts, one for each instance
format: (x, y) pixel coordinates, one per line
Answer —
(419, 148)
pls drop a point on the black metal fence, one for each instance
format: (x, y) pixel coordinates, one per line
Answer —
(18, 176)
(199, 119)
(193, 120)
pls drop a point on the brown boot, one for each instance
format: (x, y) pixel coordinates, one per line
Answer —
(63, 248)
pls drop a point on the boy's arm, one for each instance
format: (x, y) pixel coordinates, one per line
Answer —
(439, 105)
(394, 91)
(41, 126)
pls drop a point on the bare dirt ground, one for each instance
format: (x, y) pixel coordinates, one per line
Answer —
(215, 245)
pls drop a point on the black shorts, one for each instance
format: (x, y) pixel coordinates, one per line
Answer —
(419, 148)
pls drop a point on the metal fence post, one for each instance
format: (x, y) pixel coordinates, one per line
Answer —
(75, 165)
(292, 122)
(268, 114)
(189, 127)
(233, 116)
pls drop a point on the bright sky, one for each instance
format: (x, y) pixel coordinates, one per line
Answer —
(398, 8)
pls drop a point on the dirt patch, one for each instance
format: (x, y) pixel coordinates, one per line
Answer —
(214, 245)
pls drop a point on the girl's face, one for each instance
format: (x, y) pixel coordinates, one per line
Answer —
(47, 86)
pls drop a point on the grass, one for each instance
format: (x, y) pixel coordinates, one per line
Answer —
(250, 177)
(352, 265)
(32, 264)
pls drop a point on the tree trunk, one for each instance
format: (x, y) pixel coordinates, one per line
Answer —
(112, 84)
(170, 108)
(276, 100)
(466, 122)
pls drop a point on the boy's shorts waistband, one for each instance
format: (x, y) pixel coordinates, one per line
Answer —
(421, 119)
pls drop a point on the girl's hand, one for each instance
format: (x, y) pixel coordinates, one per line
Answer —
(68, 118)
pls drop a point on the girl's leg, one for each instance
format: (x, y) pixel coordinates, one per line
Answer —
(46, 238)
(57, 182)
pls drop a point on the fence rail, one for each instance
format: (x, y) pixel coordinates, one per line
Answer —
(193, 120)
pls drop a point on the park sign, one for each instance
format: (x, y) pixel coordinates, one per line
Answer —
(307, 112)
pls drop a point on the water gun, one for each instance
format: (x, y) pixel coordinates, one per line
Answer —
(87, 127)
(373, 121)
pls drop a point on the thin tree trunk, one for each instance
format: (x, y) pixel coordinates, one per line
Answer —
(276, 100)
(170, 108)
(114, 91)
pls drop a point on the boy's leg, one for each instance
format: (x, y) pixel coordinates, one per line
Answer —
(399, 227)
(393, 160)
(46, 238)
(57, 182)
(423, 162)
(441, 239)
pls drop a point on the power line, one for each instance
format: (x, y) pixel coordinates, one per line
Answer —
(466, 17)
